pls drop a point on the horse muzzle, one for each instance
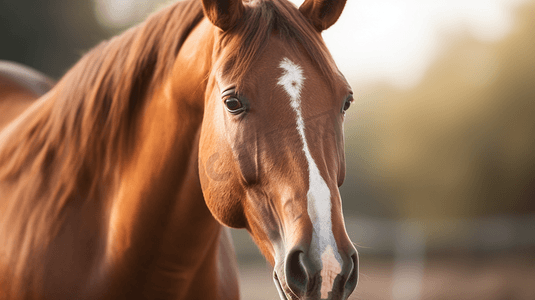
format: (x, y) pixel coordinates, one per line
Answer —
(301, 275)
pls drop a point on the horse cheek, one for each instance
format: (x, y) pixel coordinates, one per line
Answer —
(221, 192)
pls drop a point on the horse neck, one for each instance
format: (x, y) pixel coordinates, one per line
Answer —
(159, 198)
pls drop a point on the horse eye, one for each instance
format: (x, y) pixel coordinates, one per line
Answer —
(234, 105)
(347, 103)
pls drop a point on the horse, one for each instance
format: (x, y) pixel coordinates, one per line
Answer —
(121, 181)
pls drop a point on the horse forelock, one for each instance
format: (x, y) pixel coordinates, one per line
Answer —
(243, 44)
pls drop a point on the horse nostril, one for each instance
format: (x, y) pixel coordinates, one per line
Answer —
(352, 281)
(296, 275)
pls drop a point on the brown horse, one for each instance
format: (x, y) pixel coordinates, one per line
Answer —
(116, 183)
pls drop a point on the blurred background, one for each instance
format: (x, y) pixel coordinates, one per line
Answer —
(440, 187)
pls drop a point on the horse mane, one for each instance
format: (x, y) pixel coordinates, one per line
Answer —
(67, 147)
(244, 43)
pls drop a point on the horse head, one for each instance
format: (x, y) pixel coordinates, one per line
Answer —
(271, 154)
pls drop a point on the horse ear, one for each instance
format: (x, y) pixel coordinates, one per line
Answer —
(322, 13)
(223, 13)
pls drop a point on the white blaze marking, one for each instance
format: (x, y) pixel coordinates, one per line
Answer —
(319, 195)
(331, 268)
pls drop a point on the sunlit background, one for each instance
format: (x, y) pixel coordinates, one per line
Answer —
(440, 187)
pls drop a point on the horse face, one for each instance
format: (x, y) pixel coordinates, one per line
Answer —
(271, 160)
